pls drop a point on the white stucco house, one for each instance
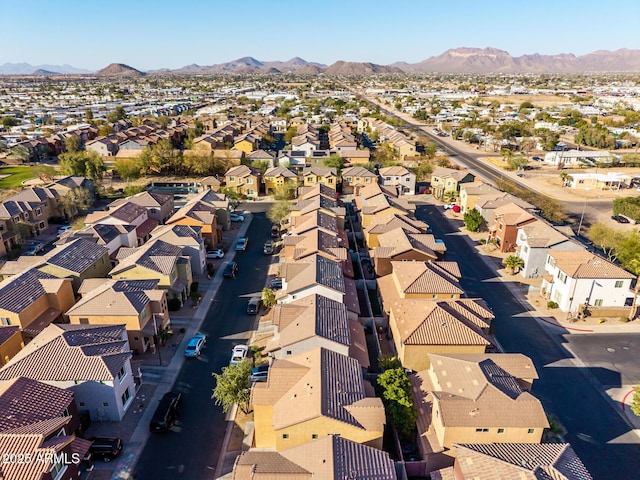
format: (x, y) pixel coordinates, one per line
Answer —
(401, 178)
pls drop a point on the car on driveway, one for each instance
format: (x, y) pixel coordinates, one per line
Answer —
(230, 270)
(63, 229)
(236, 217)
(275, 284)
(620, 219)
(238, 354)
(268, 248)
(254, 305)
(259, 374)
(33, 248)
(449, 205)
(105, 448)
(241, 244)
(214, 254)
(195, 345)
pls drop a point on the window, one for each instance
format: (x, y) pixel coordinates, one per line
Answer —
(289, 352)
(143, 315)
(285, 436)
(525, 249)
(84, 321)
(232, 179)
(618, 284)
(349, 179)
(5, 321)
(121, 374)
(249, 181)
(531, 430)
(500, 226)
(125, 397)
(105, 404)
(331, 180)
(598, 302)
(314, 436)
(562, 276)
(407, 179)
(58, 468)
(38, 212)
(482, 430)
(501, 430)
(81, 404)
(367, 180)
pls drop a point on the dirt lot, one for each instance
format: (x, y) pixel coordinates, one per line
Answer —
(536, 100)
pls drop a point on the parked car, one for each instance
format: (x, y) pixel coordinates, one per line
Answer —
(268, 248)
(275, 284)
(63, 229)
(230, 270)
(236, 217)
(105, 448)
(449, 205)
(195, 345)
(33, 247)
(165, 415)
(275, 231)
(238, 354)
(620, 219)
(214, 254)
(259, 374)
(241, 244)
(536, 159)
(254, 305)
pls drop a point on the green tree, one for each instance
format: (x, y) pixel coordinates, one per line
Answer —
(105, 130)
(133, 189)
(513, 263)
(21, 153)
(398, 400)
(284, 192)
(279, 212)
(423, 171)
(430, 149)
(518, 162)
(388, 362)
(334, 161)
(233, 387)
(23, 230)
(128, 169)
(88, 115)
(289, 134)
(384, 154)
(268, 297)
(635, 401)
(94, 166)
(473, 220)
(8, 122)
(72, 143)
(450, 196)
(74, 201)
(118, 114)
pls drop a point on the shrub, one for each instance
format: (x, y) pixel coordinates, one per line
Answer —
(173, 304)
(194, 287)
(551, 304)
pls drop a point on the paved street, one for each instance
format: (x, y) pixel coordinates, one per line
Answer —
(191, 450)
(597, 433)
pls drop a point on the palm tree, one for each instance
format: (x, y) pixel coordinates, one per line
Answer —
(564, 176)
(450, 196)
(513, 263)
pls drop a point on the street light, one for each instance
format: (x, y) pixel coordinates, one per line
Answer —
(584, 206)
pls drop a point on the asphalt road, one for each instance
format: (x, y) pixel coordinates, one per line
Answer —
(595, 431)
(190, 451)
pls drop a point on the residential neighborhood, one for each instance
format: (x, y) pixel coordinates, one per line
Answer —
(253, 278)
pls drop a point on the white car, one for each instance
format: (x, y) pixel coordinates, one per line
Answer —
(238, 354)
(236, 217)
(213, 254)
(449, 205)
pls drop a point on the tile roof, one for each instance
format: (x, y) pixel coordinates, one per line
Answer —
(444, 172)
(384, 223)
(328, 385)
(76, 256)
(256, 464)
(520, 460)
(426, 277)
(316, 241)
(472, 393)
(20, 291)
(128, 212)
(512, 214)
(158, 256)
(178, 234)
(117, 298)
(7, 332)
(395, 170)
(24, 401)
(445, 322)
(317, 270)
(28, 444)
(71, 352)
(309, 317)
(313, 220)
(336, 458)
(584, 264)
(398, 241)
(540, 235)
(357, 171)
(280, 172)
(242, 171)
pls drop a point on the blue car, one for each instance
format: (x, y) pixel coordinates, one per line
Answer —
(195, 345)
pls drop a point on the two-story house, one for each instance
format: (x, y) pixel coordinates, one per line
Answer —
(381, 224)
(533, 242)
(400, 245)
(326, 176)
(208, 211)
(244, 180)
(94, 362)
(160, 206)
(448, 180)
(481, 399)
(403, 179)
(507, 220)
(312, 395)
(187, 237)
(10, 342)
(279, 178)
(354, 178)
(577, 280)
(136, 304)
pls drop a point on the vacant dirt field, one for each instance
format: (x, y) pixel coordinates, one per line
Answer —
(536, 100)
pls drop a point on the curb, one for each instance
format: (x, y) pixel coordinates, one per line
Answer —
(125, 467)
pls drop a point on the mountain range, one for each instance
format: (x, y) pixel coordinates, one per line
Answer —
(458, 60)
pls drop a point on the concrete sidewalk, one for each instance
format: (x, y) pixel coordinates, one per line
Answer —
(139, 415)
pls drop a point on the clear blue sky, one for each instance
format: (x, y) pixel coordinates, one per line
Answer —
(149, 34)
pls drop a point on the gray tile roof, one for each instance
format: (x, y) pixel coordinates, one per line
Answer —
(158, 256)
(20, 291)
(76, 256)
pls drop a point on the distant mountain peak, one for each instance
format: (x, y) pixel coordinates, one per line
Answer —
(119, 70)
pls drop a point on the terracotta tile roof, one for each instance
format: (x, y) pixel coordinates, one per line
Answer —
(394, 171)
(279, 172)
(242, 171)
(426, 277)
(471, 393)
(443, 172)
(541, 235)
(146, 227)
(584, 264)
(71, 352)
(307, 193)
(318, 270)
(385, 223)
(313, 220)
(447, 322)
(357, 171)
(398, 241)
(336, 458)
(308, 317)
(330, 386)
(76, 256)
(512, 214)
(316, 241)
(24, 401)
(117, 298)
(520, 460)
(254, 465)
